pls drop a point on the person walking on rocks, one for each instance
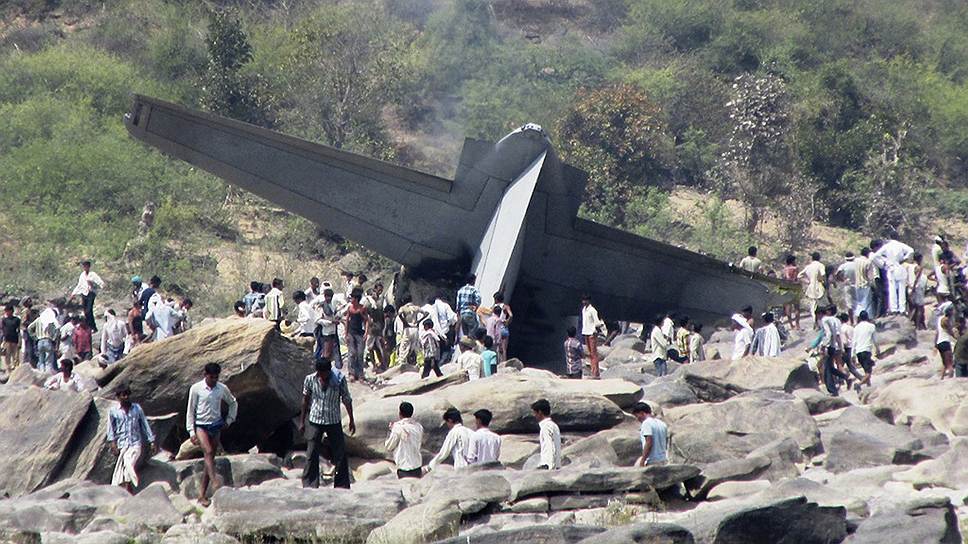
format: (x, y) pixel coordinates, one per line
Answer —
(10, 327)
(205, 423)
(743, 340)
(430, 344)
(409, 319)
(945, 341)
(573, 355)
(697, 350)
(654, 435)
(832, 350)
(112, 337)
(468, 300)
(274, 302)
(918, 288)
(485, 444)
(128, 433)
(549, 436)
(889, 256)
(591, 325)
(406, 435)
(864, 274)
(814, 276)
(864, 344)
(327, 328)
(44, 329)
(356, 321)
(88, 286)
(323, 392)
(456, 444)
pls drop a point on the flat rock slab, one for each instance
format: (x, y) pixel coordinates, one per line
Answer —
(600, 480)
(714, 381)
(918, 521)
(949, 470)
(425, 385)
(643, 533)
(38, 432)
(429, 521)
(266, 512)
(943, 403)
(538, 534)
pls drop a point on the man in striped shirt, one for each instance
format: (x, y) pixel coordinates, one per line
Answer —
(323, 391)
(128, 431)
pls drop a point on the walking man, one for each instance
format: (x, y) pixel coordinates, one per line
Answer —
(356, 322)
(485, 444)
(456, 444)
(112, 337)
(205, 423)
(549, 436)
(323, 391)
(88, 286)
(814, 274)
(864, 344)
(573, 355)
(468, 300)
(327, 328)
(128, 433)
(10, 327)
(654, 435)
(889, 256)
(404, 440)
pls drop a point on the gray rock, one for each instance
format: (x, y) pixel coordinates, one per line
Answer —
(637, 373)
(643, 533)
(856, 438)
(150, 508)
(619, 356)
(925, 520)
(538, 534)
(669, 393)
(896, 330)
(488, 486)
(732, 490)
(820, 403)
(534, 505)
(790, 521)
(705, 433)
(100, 537)
(578, 502)
(784, 455)
(728, 470)
(37, 428)
(253, 469)
(516, 449)
(429, 521)
(51, 515)
(195, 534)
(949, 470)
(595, 448)
(425, 385)
(714, 381)
(266, 512)
(629, 341)
(600, 480)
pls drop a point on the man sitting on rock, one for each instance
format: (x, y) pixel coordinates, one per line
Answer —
(65, 380)
(549, 436)
(406, 434)
(485, 444)
(323, 391)
(456, 444)
(654, 435)
(128, 430)
(204, 421)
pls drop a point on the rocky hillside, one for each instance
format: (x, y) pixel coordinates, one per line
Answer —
(759, 454)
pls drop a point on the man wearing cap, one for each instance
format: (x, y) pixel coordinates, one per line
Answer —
(88, 286)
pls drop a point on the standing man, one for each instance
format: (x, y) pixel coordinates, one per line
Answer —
(203, 419)
(864, 344)
(323, 391)
(456, 444)
(591, 324)
(697, 351)
(305, 316)
(814, 275)
(445, 319)
(44, 329)
(863, 276)
(485, 444)
(751, 263)
(573, 355)
(327, 328)
(549, 436)
(409, 318)
(10, 327)
(274, 302)
(960, 356)
(846, 276)
(128, 431)
(374, 302)
(832, 350)
(654, 435)
(406, 435)
(660, 347)
(769, 344)
(112, 337)
(163, 317)
(743, 340)
(356, 321)
(150, 296)
(889, 256)
(88, 286)
(468, 300)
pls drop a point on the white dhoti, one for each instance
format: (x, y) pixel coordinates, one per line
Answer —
(126, 469)
(409, 342)
(897, 289)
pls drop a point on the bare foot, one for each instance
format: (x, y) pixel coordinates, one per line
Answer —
(204, 502)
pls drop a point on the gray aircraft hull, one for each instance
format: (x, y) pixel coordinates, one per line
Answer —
(510, 215)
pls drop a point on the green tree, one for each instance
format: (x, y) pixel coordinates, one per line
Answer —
(617, 135)
(226, 88)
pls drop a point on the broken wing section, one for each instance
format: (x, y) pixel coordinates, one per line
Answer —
(365, 200)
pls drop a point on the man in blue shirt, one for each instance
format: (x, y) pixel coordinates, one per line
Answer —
(128, 430)
(654, 435)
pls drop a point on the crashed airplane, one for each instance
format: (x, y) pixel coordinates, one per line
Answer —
(509, 216)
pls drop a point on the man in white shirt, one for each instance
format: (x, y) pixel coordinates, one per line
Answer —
(305, 317)
(889, 256)
(456, 444)
(846, 276)
(203, 419)
(815, 275)
(65, 380)
(743, 339)
(654, 435)
(768, 343)
(832, 349)
(469, 360)
(549, 436)
(444, 318)
(327, 328)
(163, 317)
(88, 286)
(112, 337)
(485, 444)
(751, 263)
(406, 435)
(697, 351)
(864, 344)
(863, 275)
(660, 348)
(591, 325)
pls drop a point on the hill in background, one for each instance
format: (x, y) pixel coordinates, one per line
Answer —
(705, 123)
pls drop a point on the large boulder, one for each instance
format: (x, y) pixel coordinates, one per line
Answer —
(715, 381)
(727, 470)
(949, 470)
(783, 522)
(944, 403)
(855, 438)
(429, 521)
(263, 369)
(705, 433)
(667, 393)
(637, 373)
(896, 330)
(923, 520)
(425, 385)
(577, 479)
(38, 432)
(267, 513)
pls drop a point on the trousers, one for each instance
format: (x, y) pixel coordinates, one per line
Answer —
(896, 291)
(46, 360)
(830, 372)
(336, 443)
(862, 302)
(356, 347)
